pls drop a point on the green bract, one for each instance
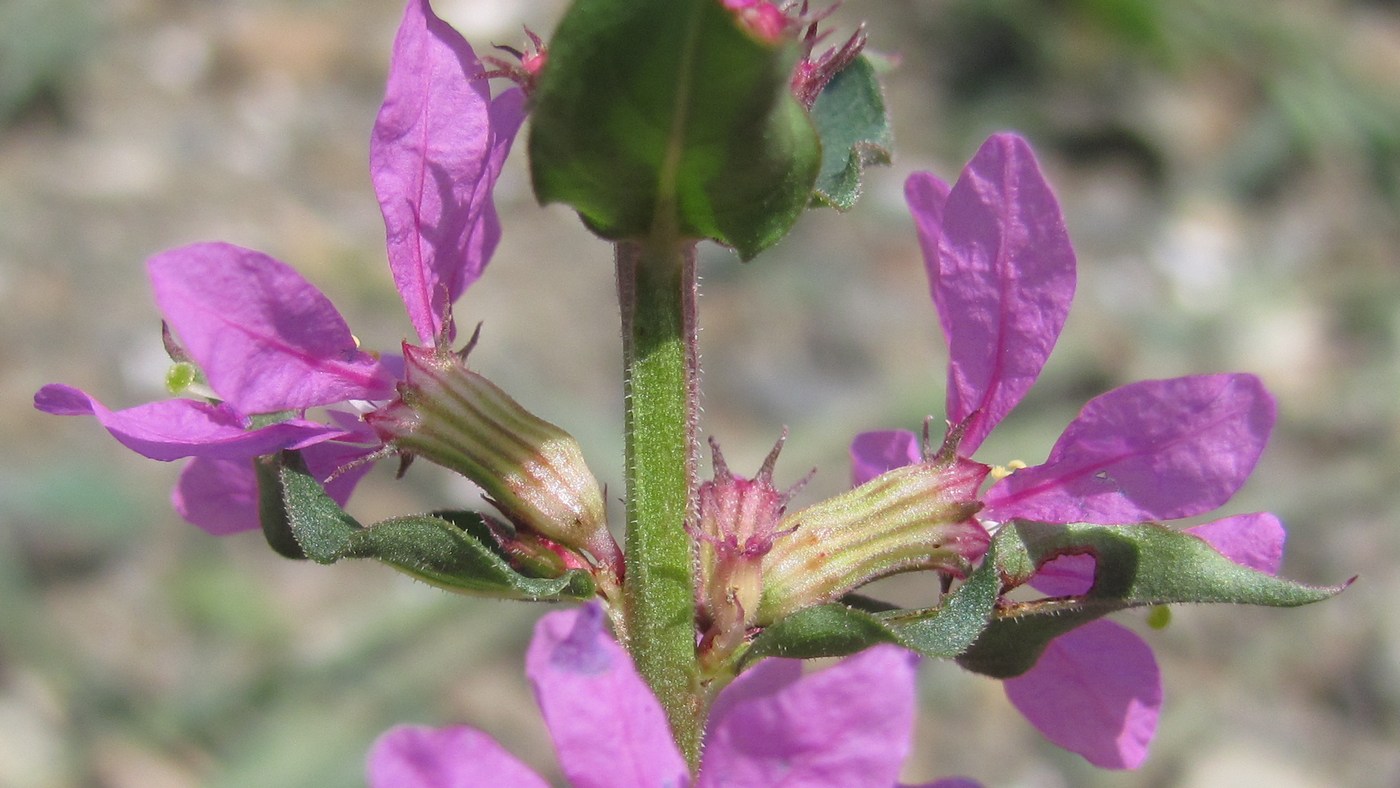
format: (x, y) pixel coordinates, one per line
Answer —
(662, 119)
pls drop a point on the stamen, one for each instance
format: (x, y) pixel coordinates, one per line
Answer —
(1000, 472)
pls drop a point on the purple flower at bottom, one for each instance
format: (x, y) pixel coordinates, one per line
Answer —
(270, 345)
(847, 725)
(1002, 275)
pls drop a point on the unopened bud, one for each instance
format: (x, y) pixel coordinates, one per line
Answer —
(531, 470)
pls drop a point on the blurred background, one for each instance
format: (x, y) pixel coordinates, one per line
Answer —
(1230, 173)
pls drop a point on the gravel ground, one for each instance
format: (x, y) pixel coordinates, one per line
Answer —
(1228, 175)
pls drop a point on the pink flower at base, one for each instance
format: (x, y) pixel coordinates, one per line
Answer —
(1002, 275)
(846, 725)
(271, 345)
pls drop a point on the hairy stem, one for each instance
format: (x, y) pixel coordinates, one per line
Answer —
(656, 290)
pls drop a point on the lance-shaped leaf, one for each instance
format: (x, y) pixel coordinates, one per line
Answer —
(1136, 566)
(838, 629)
(663, 119)
(854, 127)
(454, 550)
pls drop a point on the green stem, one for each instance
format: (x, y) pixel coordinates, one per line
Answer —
(656, 290)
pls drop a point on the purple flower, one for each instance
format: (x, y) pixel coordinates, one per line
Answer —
(270, 345)
(1002, 274)
(267, 342)
(847, 725)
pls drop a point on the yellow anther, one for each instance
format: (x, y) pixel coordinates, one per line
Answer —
(1000, 472)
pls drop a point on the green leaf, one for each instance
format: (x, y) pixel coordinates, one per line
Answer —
(451, 550)
(320, 527)
(854, 127)
(955, 626)
(438, 553)
(831, 630)
(1137, 566)
(663, 120)
(836, 629)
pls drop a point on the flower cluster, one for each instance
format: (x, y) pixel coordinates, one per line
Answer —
(271, 346)
(274, 367)
(847, 725)
(1002, 274)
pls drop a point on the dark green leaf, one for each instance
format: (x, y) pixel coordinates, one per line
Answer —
(453, 550)
(321, 528)
(854, 127)
(954, 627)
(437, 552)
(831, 630)
(663, 120)
(837, 629)
(1137, 566)
(1014, 640)
(1155, 565)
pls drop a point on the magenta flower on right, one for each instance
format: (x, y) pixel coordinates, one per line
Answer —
(1002, 275)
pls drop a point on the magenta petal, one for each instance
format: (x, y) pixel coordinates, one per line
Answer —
(1096, 691)
(1153, 450)
(1066, 575)
(507, 113)
(219, 496)
(927, 194)
(175, 428)
(61, 400)
(1252, 540)
(1005, 279)
(417, 756)
(846, 725)
(266, 339)
(608, 729)
(437, 149)
(873, 453)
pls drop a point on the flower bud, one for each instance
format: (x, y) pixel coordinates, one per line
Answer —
(738, 525)
(532, 471)
(914, 517)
